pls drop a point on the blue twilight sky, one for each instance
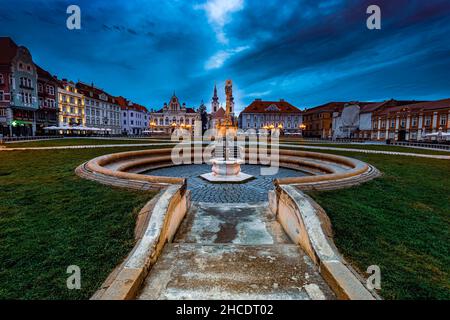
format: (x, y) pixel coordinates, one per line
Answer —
(306, 51)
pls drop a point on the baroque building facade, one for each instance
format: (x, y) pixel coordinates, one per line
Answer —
(270, 115)
(412, 122)
(47, 114)
(173, 115)
(18, 89)
(71, 105)
(102, 109)
(134, 117)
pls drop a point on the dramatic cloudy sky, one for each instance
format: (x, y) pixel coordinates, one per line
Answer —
(306, 51)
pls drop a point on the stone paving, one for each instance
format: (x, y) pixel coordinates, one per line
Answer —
(233, 251)
(202, 191)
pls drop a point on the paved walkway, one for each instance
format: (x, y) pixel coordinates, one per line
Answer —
(89, 146)
(394, 153)
(233, 251)
(291, 146)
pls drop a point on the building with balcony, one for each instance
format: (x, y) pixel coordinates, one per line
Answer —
(271, 114)
(102, 109)
(71, 105)
(47, 114)
(18, 90)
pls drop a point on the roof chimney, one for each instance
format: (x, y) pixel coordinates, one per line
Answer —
(281, 100)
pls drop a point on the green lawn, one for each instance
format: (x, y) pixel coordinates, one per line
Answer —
(369, 147)
(79, 141)
(400, 222)
(50, 219)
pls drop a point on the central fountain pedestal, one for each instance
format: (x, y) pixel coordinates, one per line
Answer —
(226, 171)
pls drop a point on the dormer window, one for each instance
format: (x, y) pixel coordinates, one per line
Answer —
(272, 107)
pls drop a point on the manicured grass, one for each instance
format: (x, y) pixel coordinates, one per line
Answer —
(77, 141)
(50, 219)
(400, 222)
(370, 147)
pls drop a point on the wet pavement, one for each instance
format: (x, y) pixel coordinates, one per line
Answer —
(233, 251)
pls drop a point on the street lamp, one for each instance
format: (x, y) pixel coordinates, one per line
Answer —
(302, 127)
(152, 125)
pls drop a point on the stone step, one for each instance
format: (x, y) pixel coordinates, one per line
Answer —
(230, 271)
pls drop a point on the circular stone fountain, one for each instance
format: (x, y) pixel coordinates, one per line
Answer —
(226, 171)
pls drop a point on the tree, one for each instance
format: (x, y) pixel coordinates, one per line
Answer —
(203, 116)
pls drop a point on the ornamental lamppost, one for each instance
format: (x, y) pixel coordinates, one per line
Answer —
(152, 125)
(302, 127)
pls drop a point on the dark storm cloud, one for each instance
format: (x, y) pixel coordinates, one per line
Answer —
(309, 52)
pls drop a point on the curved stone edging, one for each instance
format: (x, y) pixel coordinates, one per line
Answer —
(123, 168)
(303, 220)
(308, 226)
(162, 217)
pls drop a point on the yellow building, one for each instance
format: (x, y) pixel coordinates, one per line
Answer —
(71, 105)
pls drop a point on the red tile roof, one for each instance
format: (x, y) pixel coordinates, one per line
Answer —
(44, 74)
(86, 89)
(220, 113)
(374, 106)
(125, 104)
(259, 106)
(420, 106)
(327, 107)
(138, 107)
(8, 50)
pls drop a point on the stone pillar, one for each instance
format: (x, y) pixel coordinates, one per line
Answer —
(387, 128)
(408, 124)
(397, 124)
(434, 122)
(419, 127)
(448, 121)
(378, 128)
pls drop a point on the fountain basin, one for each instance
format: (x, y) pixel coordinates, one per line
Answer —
(226, 171)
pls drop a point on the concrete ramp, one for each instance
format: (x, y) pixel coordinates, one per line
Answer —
(233, 251)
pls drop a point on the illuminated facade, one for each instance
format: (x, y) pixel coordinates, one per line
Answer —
(271, 114)
(71, 105)
(172, 116)
(102, 109)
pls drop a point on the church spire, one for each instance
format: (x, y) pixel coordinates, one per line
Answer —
(215, 101)
(215, 97)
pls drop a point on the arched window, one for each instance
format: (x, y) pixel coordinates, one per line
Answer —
(1, 79)
(167, 121)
